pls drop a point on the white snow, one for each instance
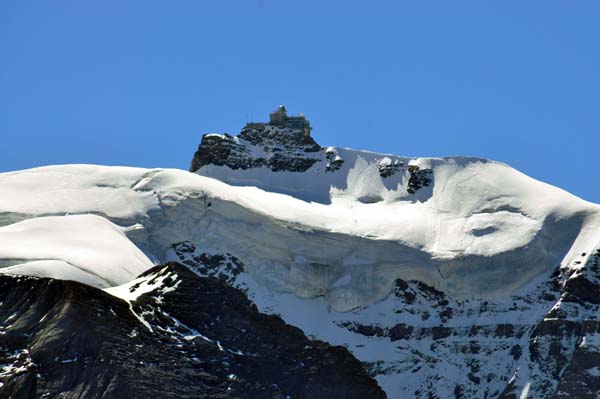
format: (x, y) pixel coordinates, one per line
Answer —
(481, 230)
(84, 248)
(73, 189)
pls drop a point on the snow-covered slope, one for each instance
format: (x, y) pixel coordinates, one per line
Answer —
(85, 248)
(396, 258)
(484, 231)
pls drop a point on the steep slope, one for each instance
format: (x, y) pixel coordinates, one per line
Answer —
(485, 245)
(200, 338)
(540, 341)
(86, 248)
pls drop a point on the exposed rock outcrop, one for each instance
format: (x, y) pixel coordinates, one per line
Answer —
(284, 145)
(334, 160)
(387, 167)
(418, 178)
(188, 337)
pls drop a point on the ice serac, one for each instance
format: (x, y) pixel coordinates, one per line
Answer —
(446, 277)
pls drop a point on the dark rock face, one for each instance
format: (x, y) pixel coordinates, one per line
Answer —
(584, 283)
(260, 134)
(581, 377)
(419, 178)
(278, 148)
(388, 168)
(220, 150)
(334, 161)
(222, 266)
(565, 346)
(187, 337)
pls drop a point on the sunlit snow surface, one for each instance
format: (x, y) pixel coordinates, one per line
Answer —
(484, 229)
(85, 248)
(481, 231)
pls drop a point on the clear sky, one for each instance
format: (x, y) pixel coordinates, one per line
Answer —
(138, 82)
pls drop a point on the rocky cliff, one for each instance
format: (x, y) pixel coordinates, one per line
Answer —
(187, 336)
(258, 145)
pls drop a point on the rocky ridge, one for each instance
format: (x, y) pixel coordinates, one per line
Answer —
(184, 336)
(258, 145)
(280, 147)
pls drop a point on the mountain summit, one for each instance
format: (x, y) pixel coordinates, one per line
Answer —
(282, 144)
(443, 277)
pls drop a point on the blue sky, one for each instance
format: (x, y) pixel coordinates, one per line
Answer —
(137, 82)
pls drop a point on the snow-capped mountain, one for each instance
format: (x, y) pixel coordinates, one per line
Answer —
(445, 277)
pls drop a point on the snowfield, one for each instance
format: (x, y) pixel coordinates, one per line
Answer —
(482, 230)
(322, 249)
(85, 248)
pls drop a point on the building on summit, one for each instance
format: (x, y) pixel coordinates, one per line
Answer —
(280, 118)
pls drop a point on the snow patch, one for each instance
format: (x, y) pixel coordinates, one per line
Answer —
(85, 248)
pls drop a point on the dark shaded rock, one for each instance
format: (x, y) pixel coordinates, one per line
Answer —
(516, 352)
(430, 292)
(509, 392)
(551, 345)
(221, 150)
(474, 347)
(446, 314)
(203, 339)
(366, 330)
(581, 378)
(277, 147)
(418, 178)
(440, 332)
(458, 392)
(474, 379)
(504, 330)
(403, 291)
(334, 161)
(387, 167)
(581, 288)
(400, 331)
(222, 266)
(259, 134)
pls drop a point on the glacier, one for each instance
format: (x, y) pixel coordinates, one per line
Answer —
(325, 247)
(485, 231)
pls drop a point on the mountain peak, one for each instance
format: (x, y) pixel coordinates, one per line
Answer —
(282, 144)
